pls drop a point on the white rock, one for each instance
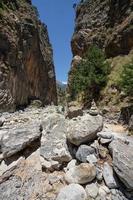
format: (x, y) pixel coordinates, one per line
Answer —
(92, 190)
(72, 192)
(49, 165)
(105, 135)
(71, 164)
(106, 189)
(81, 174)
(92, 159)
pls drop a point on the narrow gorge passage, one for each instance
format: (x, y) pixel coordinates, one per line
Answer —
(66, 119)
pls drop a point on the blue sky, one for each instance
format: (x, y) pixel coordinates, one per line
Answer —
(59, 16)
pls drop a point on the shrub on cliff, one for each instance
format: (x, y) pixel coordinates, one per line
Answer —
(126, 81)
(91, 75)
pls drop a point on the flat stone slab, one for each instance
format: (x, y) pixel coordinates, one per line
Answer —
(18, 138)
(53, 142)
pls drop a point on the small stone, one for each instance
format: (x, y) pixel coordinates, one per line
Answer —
(83, 152)
(92, 190)
(103, 152)
(105, 141)
(105, 135)
(72, 192)
(45, 164)
(92, 159)
(106, 189)
(113, 191)
(102, 193)
(93, 110)
(108, 176)
(99, 174)
(81, 174)
(49, 165)
(71, 164)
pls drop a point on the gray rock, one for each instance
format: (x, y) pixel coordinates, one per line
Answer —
(81, 174)
(72, 192)
(122, 153)
(92, 159)
(84, 129)
(108, 176)
(18, 138)
(92, 190)
(105, 135)
(83, 151)
(53, 142)
(99, 174)
(93, 110)
(105, 141)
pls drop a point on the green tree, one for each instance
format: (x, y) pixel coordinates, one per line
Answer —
(126, 81)
(91, 74)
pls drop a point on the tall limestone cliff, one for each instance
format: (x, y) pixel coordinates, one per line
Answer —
(26, 62)
(107, 24)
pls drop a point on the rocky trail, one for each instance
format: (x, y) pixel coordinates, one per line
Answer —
(46, 155)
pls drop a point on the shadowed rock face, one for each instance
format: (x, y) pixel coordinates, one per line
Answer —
(26, 62)
(105, 23)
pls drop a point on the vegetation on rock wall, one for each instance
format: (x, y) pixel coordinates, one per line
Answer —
(91, 74)
(126, 81)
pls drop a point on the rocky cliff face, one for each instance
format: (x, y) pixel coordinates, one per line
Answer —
(107, 24)
(26, 63)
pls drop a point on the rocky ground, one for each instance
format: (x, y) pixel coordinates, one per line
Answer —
(46, 154)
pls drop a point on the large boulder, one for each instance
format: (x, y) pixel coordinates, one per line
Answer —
(122, 152)
(84, 129)
(81, 174)
(53, 142)
(72, 192)
(18, 138)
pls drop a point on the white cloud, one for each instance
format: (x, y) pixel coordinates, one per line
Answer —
(64, 82)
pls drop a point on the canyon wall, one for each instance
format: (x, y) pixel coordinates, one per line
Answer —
(107, 24)
(26, 57)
